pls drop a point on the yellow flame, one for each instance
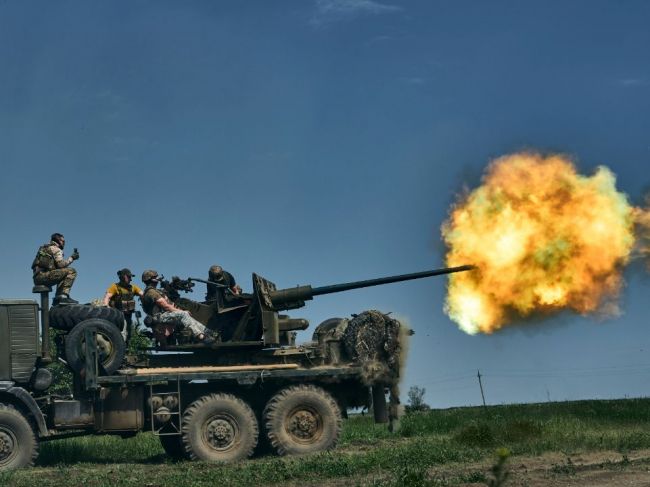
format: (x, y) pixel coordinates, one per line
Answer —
(543, 238)
(642, 217)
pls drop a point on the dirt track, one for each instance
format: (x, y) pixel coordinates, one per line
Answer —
(598, 469)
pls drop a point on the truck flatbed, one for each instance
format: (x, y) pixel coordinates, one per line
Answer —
(247, 375)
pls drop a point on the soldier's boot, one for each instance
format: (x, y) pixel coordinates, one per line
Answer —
(209, 337)
(64, 299)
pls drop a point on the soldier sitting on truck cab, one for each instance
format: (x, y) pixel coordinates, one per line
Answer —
(121, 295)
(51, 268)
(163, 316)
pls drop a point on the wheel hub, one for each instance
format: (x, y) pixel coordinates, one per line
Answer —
(104, 347)
(6, 445)
(221, 433)
(304, 424)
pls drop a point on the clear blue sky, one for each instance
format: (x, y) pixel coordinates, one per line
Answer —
(316, 142)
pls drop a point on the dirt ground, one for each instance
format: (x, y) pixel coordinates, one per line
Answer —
(597, 469)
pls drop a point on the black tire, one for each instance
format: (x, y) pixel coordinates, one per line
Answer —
(67, 317)
(325, 327)
(110, 344)
(18, 444)
(173, 446)
(219, 428)
(302, 419)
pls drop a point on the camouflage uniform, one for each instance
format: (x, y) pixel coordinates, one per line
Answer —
(51, 268)
(151, 295)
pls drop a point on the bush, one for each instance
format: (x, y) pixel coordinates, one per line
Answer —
(416, 400)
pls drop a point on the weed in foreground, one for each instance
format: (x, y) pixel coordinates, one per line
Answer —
(499, 471)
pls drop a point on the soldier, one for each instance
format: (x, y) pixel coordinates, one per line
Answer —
(51, 268)
(121, 295)
(229, 289)
(163, 311)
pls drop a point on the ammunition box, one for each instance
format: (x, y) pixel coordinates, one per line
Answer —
(120, 409)
(72, 414)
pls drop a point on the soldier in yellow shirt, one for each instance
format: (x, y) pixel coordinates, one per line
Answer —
(121, 295)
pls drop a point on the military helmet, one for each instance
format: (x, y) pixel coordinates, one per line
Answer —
(149, 275)
(124, 272)
(215, 272)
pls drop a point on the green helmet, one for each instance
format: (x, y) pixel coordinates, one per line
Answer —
(215, 273)
(149, 275)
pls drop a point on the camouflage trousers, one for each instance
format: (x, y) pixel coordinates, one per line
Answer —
(184, 318)
(63, 278)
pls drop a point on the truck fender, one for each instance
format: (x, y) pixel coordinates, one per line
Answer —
(24, 399)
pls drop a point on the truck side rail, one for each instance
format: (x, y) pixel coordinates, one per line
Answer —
(241, 377)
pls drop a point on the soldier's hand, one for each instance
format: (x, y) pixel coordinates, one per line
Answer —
(75, 254)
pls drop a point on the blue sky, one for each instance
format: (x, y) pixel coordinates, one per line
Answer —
(317, 142)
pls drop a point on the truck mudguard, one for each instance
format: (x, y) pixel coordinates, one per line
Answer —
(23, 397)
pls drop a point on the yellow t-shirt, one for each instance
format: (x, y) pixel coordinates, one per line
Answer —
(113, 289)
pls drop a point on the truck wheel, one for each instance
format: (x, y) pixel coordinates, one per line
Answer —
(219, 428)
(302, 419)
(18, 445)
(173, 446)
(110, 345)
(66, 317)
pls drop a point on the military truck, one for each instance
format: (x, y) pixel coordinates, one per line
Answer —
(255, 389)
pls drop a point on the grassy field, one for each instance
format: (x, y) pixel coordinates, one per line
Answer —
(367, 454)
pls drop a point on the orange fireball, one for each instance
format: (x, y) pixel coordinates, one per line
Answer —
(543, 238)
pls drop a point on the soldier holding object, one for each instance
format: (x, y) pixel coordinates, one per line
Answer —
(158, 306)
(121, 295)
(51, 268)
(228, 290)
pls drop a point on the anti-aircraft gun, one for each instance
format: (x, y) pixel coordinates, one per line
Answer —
(254, 387)
(255, 319)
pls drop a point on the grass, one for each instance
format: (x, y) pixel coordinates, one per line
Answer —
(367, 454)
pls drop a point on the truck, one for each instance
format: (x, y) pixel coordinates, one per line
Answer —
(253, 390)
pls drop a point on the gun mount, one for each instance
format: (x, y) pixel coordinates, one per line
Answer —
(254, 318)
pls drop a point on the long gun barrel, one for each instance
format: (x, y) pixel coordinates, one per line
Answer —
(287, 298)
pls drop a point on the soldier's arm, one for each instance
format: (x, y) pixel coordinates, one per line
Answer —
(107, 298)
(110, 292)
(166, 304)
(234, 287)
(59, 261)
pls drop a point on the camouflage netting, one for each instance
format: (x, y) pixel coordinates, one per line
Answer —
(373, 339)
(378, 343)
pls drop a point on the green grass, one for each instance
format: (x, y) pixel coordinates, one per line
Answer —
(367, 454)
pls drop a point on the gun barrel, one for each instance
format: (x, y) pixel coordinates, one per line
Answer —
(303, 293)
(335, 288)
